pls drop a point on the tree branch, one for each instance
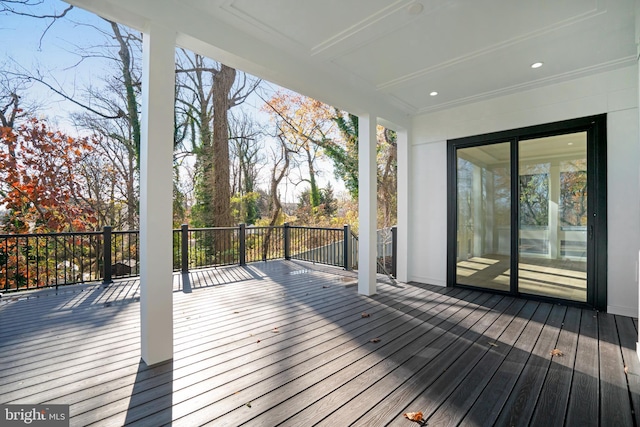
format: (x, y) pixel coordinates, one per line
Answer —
(69, 98)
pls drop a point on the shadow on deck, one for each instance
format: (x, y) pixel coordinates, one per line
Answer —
(286, 342)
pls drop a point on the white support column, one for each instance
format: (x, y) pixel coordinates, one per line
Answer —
(489, 237)
(638, 219)
(367, 204)
(478, 212)
(156, 194)
(554, 203)
(404, 173)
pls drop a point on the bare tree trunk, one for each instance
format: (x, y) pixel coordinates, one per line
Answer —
(388, 182)
(127, 78)
(222, 83)
(315, 192)
(132, 200)
(276, 207)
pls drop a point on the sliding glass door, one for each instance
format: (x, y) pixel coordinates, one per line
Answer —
(552, 229)
(483, 235)
(528, 210)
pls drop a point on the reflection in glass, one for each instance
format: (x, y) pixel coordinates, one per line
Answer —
(553, 216)
(484, 215)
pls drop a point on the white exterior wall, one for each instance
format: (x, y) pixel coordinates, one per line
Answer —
(614, 92)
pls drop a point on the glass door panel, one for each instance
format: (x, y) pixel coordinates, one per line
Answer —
(552, 212)
(484, 216)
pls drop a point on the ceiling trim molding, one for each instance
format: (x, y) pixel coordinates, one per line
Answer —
(403, 105)
(490, 49)
(360, 26)
(606, 66)
(229, 7)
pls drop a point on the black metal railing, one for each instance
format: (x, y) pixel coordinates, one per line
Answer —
(125, 254)
(31, 261)
(263, 243)
(387, 252)
(317, 244)
(36, 260)
(209, 247)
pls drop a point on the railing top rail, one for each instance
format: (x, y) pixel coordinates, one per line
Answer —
(317, 228)
(124, 231)
(211, 228)
(66, 233)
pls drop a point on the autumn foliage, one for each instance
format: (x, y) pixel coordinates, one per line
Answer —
(40, 188)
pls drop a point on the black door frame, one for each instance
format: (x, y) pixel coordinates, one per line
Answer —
(596, 128)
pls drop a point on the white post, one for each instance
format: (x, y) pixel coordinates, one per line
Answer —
(367, 204)
(554, 203)
(478, 213)
(404, 173)
(638, 61)
(156, 194)
(638, 183)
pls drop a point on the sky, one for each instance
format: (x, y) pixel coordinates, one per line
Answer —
(28, 44)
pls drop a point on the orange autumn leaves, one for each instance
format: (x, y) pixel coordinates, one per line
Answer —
(41, 189)
(414, 416)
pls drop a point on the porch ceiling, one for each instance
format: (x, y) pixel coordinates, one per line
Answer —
(387, 57)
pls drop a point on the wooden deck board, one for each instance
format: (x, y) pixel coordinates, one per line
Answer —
(501, 367)
(284, 343)
(463, 355)
(524, 396)
(460, 386)
(239, 362)
(628, 338)
(551, 405)
(327, 402)
(331, 340)
(614, 397)
(396, 333)
(381, 378)
(584, 397)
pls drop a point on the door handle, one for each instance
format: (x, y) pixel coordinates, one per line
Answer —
(591, 232)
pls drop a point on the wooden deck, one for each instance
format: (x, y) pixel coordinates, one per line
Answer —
(285, 343)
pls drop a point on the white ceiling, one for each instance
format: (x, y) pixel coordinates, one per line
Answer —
(383, 57)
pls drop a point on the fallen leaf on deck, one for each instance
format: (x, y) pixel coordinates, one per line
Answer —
(275, 330)
(325, 286)
(248, 405)
(492, 344)
(236, 312)
(414, 416)
(626, 369)
(258, 341)
(374, 340)
(556, 352)
(365, 315)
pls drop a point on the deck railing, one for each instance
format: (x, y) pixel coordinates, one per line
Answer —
(31, 261)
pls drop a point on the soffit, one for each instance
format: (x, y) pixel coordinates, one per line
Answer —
(379, 54)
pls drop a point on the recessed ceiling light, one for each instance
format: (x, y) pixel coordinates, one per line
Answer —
(536, 65)
(571, 143)
(434, 93)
